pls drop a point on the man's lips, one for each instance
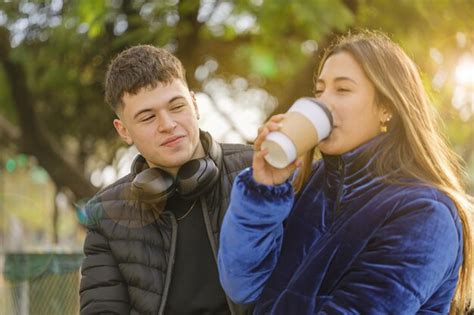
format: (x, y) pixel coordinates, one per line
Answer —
(172, 141)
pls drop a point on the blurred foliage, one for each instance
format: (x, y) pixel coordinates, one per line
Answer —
(25, 220)
(64, 47)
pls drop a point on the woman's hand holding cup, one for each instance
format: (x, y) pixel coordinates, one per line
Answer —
(263, 172)
(286, 137)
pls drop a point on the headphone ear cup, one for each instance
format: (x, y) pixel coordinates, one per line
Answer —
(153, 185)
(196, 177)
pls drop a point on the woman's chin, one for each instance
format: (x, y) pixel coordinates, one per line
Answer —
(327, 148)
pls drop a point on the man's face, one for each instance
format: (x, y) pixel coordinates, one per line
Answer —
(163, 124)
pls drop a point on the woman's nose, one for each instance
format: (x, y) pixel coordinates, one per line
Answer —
(325, 99)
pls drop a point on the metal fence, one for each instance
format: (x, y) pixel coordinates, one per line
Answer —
(40, 283)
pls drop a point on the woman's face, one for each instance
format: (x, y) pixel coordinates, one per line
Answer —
(350, 96)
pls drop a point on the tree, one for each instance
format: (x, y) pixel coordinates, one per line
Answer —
(53, 57)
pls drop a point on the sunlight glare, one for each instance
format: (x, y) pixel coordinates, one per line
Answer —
(463, 96)
(464, 73)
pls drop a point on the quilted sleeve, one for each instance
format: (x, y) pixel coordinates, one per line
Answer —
(251, 236)
(102, 288)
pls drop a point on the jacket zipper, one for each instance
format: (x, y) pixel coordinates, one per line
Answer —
(210, 236)
(169, 269)
(341, 169)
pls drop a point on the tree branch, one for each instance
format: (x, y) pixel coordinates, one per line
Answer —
(187, 36)
(8, 130)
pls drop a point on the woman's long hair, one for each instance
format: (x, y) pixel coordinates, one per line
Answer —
(413, 144)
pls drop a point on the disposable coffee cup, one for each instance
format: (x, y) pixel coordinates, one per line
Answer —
(304, 125)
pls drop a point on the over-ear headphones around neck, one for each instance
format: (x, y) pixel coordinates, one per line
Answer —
(194, 178)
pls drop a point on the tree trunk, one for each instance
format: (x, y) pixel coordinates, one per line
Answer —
(32, 140)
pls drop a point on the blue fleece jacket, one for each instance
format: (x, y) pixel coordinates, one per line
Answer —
(347, 244)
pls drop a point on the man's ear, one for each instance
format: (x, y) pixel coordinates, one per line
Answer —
(123, 131)
(193, 97)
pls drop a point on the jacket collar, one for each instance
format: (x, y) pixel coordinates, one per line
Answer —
(211, 147)
(349, 175)
(352, 161)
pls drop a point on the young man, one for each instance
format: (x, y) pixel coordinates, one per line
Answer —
(152, 235)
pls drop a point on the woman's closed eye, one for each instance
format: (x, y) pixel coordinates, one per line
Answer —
(318, 92)
(343, 90)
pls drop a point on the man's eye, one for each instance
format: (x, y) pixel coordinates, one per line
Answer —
(177, 107)
(147, 118)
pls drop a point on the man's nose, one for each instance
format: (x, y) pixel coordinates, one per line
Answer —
(166, 123)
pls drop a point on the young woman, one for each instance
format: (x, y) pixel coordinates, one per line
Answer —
(379, 225)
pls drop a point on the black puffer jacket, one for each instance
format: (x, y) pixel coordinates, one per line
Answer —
(128, 249)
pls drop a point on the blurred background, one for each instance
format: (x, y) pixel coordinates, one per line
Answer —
(245, 59)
